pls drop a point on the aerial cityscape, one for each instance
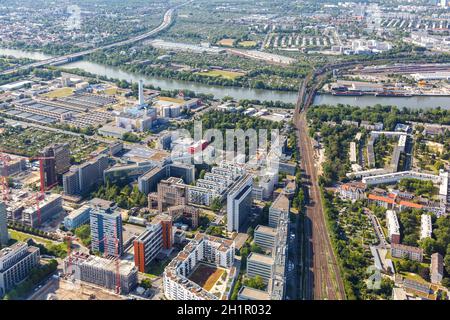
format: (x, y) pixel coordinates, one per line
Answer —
(229, 150)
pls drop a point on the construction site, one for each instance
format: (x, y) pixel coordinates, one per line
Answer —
(24, 205)
(61, 289)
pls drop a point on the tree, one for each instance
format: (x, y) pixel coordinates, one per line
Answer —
(250, 232)
(216, 204)
(428, 245)
(84, 233)
(256, 282)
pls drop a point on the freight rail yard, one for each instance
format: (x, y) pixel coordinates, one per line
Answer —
(397, 80)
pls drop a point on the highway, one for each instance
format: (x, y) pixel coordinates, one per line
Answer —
(321, 274)
(167, 21)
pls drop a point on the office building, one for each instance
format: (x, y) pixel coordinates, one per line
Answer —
(279, 207)
(124, 174)
(239, 203)
(260, 265)
(16, 263)
(203, 248)
(247, 293)
(265, 237)
(156, 237)
(77, 217)
(103, 272)
(4, 237)
(80, 179)
(106, 232)
(148, 182)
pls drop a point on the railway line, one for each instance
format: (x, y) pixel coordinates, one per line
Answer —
(321, 272)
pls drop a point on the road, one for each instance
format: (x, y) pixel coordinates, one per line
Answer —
(167, 21)
(321, 274)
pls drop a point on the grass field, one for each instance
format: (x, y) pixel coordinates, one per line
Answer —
(111, 91)
(170, 99)
(222, 73)
(206, 276)
(226, 42)
(247, 44)
(22, 237)
(60, 93)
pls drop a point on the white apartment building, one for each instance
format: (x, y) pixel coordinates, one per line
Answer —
(203, 248)
(425, 226)
(16, 262)
(393, 226)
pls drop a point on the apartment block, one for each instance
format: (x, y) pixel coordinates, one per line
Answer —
(16, 263)
(393, 226)
(403, 251)
(202, 249)
(436, 268)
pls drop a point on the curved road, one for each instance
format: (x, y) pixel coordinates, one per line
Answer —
(167, 21)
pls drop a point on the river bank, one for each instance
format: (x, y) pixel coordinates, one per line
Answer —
(414, 102)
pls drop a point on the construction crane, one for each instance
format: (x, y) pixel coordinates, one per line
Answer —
(117, 260)
(41, 195)
(4, 159)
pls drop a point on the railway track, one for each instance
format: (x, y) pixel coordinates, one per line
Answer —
(321, 262)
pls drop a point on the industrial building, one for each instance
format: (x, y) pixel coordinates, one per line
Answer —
(102, 272)
(203, 248)
(16, 262)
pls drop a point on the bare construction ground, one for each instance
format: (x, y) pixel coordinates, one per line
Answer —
(61, 289)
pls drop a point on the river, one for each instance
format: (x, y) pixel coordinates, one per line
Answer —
(235, 92)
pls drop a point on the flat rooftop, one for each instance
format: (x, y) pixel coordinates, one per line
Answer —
(254, 294)
(281, 203)
(265, 229)
(261, 258)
